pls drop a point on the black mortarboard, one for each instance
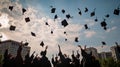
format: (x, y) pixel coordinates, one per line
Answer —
(27, 19)
(46, 23)
(53, 9)
(86, 26)
(51, 32)
(63, 11)
(107, 15)
(26, 43)
(86, 9)
(12, 28)
(23, 10)
(80, 13)
(76, 39)
(116, 11)
(42, 44)
(11, 8)
(64, 23)
(104, 24)
(96, 19)
(55, 17)
(103, 43)
(65, 39)
(92, 13)
(68, 16)
(64, 32)
(33, 34)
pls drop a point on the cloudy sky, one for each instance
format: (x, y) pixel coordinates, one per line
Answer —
(39, 12)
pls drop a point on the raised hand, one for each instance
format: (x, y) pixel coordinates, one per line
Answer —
(46, 47)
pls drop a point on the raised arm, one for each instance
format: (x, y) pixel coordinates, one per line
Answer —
(59, 48)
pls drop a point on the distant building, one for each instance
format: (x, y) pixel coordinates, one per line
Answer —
(115, 53)
(104, 55)
(93, 50)
(12, 47)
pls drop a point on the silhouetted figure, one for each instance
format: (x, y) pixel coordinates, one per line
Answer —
(75, 60)
(6, 59)
(28, 60)
(18, 58)
(55, 61)
(44, 60)
(88, 60)
(118, 47)
(64, 61)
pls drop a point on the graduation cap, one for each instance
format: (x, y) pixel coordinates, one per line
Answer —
(63, 11)
(26, 43)
(51, 32)
(64, 32)
(11, 8)
(92, 13)
(76, 39)
(33, 34)
(68, 16)
(46, 23)
(42, 44)
(27, 19)
(12, 28)
(80, 13)
(96, 19)
(53, 9)
(104, 24)
(64, 23)
(103, 43)
(86, 9)
(65, 39)
(55, 17)
(86, 26)
(116, 11)
(107, 15)
(23, 10)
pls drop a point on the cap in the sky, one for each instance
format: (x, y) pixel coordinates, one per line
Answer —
(55, 17)
(80, 13)
(92, 13)
(103, 43)
(76, 39)
(12, 28)
(23, 10)
(11, 8)
(64, 23)
(42, 44)
(96, 19)
(63, 11)
(116, 11)
(86, 26)
(27, 19)
(68, 16)
(26, 43)
(86, 9)
(107, 16)
(33, 34)
(53, 9)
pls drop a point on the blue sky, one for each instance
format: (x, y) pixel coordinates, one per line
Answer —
(39, 13)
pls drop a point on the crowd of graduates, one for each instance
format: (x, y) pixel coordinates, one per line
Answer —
(60, 60)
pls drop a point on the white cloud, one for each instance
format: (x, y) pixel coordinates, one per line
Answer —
(89, 34)
(111, 29)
